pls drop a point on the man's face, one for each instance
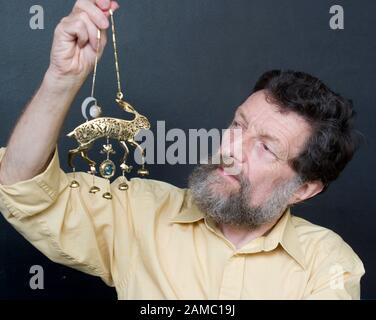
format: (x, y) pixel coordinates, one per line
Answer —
(260, 154)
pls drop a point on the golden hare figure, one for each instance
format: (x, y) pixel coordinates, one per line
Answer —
(122, 130)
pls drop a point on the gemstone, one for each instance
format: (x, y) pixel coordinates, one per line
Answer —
(108, 169)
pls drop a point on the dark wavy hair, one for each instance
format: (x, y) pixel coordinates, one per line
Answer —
(333, 141)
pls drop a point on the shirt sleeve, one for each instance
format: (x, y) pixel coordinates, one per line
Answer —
(337, 274)
(69, 225)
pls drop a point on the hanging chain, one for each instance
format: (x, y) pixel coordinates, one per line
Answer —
(119, 93)
(96, 62)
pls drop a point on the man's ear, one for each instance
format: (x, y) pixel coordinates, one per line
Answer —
(306, 191)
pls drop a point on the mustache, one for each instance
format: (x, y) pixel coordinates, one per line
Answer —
(228, 164)
(220, 161)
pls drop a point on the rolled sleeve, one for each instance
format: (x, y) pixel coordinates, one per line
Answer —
(70, 226)
(19, 199)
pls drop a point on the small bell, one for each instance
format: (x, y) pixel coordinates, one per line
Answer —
(143, 172)
(74, 184)
(123, 186)
(107, 196)
(94, 189)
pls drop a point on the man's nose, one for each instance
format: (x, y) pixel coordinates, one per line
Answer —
(233, 145)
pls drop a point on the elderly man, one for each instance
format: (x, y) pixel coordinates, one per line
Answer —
(226, 236)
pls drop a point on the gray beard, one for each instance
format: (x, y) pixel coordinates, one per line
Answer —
(234, 207)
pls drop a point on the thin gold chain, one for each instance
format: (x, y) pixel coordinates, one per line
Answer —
(119, 93)
(96, 62)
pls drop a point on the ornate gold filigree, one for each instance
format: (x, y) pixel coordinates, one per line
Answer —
(111, 128)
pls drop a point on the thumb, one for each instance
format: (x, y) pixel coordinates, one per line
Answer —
(113, 6)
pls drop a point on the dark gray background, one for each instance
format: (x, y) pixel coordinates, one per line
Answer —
(191, 63)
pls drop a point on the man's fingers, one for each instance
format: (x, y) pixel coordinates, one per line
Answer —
(95, 14)
(75, 28)
(114, 7)
(103, 41)
(104, 5)
(97, 10)
(91, 28)
(85, 20)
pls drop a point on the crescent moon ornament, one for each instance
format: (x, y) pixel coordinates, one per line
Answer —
(94, 111)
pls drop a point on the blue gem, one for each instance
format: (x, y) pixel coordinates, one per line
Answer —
(108, 169)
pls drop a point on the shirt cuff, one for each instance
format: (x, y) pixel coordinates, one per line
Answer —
(29, 197)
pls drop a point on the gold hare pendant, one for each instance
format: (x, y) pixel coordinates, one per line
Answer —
(111, 128)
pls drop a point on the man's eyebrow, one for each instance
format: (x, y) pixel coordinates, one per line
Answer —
(241, 114)
(261, 132)
(270, 137)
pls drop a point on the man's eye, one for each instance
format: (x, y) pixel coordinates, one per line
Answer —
(235, 124)
(266, 147)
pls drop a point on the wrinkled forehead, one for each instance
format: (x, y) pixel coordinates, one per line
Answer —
(263, 115)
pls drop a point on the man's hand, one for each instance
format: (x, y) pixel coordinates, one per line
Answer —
(72, 58)
(75, 40)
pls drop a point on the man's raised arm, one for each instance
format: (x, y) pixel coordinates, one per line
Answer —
(70, 226)
(31, 145)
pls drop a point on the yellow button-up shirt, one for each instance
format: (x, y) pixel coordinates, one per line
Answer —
(152, 242)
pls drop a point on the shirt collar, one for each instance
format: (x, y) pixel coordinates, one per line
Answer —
(189, 212)
(283, 232)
